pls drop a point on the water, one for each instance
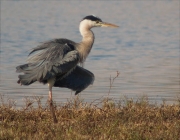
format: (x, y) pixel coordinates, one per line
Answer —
(145, 49)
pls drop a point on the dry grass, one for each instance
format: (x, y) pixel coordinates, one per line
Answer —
(128, 119)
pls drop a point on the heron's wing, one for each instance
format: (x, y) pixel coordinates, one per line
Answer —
(58, 67)
(50, 69)
(77, 80)
(50, 50)
(50, 61)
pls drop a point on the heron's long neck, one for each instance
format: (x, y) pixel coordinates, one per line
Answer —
(85, 45)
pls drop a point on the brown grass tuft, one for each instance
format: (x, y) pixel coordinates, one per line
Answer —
(129, 119)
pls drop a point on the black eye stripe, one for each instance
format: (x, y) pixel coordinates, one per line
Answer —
(92, 18)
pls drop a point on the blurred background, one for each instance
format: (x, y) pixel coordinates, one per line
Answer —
(144, 49)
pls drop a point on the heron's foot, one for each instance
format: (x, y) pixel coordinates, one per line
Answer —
(52, 111)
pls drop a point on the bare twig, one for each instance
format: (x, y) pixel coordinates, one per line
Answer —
(2, 99)
(38, 100)
(28, 101)
(112, 81)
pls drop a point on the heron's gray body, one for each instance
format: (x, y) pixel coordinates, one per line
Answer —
(56, 59)
(56, 62)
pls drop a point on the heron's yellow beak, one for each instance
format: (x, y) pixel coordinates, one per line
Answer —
(105, 24)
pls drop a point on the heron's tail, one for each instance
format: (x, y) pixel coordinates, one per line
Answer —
(29, 76)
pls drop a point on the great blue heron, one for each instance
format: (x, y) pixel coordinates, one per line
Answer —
(55, 62)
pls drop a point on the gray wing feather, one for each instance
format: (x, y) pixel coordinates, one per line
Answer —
(60, 67)
(50, 60)
(51, 50)
(53, 43)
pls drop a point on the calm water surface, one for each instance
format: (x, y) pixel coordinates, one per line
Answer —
(145, 49)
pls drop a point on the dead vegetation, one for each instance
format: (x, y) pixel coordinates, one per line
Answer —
(128, 119)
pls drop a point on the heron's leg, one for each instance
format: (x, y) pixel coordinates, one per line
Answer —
(50, 84)
(50, 94)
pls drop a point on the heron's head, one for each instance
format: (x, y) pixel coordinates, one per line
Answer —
(93, 21)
